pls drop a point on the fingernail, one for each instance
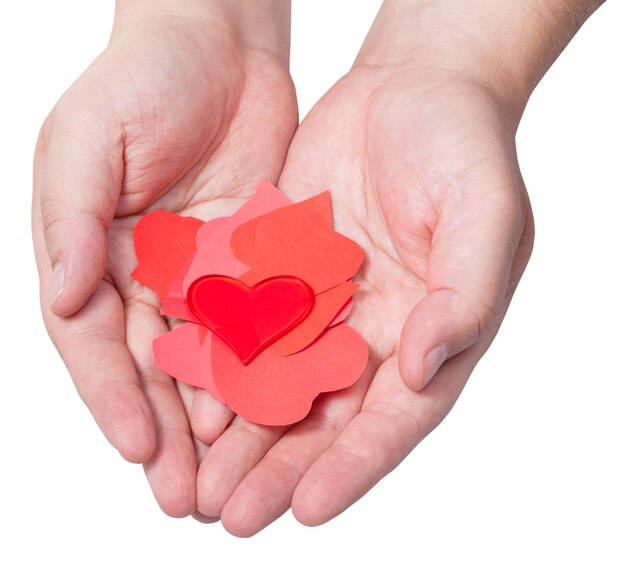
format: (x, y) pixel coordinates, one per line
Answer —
(58, 279)
(433, 361)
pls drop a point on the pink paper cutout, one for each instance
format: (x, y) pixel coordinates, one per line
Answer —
(279, 390)
(343, 314)
(185, 356)
(175, 303)
(214, 254)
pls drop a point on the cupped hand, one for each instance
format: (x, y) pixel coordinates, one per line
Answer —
(183, 111)
(423, 173)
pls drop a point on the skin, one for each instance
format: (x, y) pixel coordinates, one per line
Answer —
(416, 144)
(181, 112)
(427, 182)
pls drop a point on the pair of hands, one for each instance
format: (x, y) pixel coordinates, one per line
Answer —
(187, 113)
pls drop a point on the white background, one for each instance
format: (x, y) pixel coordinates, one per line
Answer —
(530, 465)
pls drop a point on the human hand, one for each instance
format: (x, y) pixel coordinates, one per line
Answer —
(438, 206)
(417, 145)
(189, 105)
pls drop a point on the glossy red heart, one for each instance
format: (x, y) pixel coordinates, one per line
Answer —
(249, 319)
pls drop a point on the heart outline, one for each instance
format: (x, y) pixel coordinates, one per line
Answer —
(249, 292)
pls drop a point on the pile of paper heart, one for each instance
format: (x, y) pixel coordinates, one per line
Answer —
(264, 293)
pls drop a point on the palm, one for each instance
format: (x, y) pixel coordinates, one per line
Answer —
(393, 157)
(392, 160)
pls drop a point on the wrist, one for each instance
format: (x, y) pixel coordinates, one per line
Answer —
(505, 45)
(262, 25)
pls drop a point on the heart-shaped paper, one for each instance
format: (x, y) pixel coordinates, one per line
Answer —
(249, 319)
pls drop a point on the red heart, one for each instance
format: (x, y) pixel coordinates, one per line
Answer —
(249, 319)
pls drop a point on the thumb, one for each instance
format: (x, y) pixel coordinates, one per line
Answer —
(80, 163)
(469, 272)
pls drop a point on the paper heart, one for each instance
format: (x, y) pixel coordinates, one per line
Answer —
(249, 319)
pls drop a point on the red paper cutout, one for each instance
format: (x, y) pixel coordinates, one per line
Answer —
(296, 241)
(327, 304)
(279, 390)
(163, 242)
(319, 204)
(268, 237)
(249, 319)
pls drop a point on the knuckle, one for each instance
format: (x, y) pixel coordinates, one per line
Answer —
(482, 314)
(405, 423)
(477, 314)
(285, 462)
(53, 337)
(53, 215)
(95, 333)
(325, 423)
(367, 465)
(249, 434)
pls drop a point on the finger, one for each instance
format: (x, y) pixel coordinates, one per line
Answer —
(171, 470)
(392, 421)
(209, 417)
(229, 459)
(187, 394)
(469, 271)
(201, 451)
(80, 168)
(93, 348)
(204, 519)
(92, 345)
(265, 493)
(185, 391)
